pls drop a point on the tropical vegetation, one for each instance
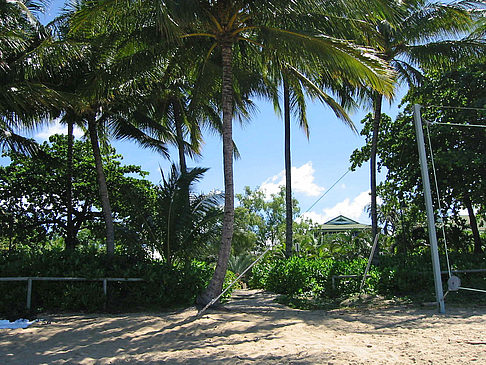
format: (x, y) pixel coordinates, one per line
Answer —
(159, 73)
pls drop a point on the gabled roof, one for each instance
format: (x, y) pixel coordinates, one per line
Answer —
(341, 220)
(342, 224)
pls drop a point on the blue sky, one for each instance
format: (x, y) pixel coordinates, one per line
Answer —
(316, 163)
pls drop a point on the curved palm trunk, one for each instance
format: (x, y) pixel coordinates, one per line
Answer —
(179, 135)
(70, 237)
(288, 173)
(474, 226)
(377, 102)
(103, 188)
(216, 284)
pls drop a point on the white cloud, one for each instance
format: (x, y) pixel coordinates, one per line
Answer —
(350, 208)
(302, 181)
(57, 128)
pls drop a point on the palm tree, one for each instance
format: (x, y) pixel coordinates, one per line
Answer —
(167, 104)
(251, 27)
(299, 79)
(104, 98)
(178, 227)
(235, 37)
(29, 61)
(408, 40)
(294, 83)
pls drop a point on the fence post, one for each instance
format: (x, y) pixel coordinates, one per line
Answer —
(105, 291)
(29, 292)
(105, 287)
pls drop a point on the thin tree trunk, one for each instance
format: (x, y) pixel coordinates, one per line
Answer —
(179, 135)
(474, 226)
(103, 188)
(216, 284)
(70, 238)
(377, 101)
(288, 173)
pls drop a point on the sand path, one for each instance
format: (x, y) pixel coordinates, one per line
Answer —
(254, 330)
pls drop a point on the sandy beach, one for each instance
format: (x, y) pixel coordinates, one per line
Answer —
(253, 329)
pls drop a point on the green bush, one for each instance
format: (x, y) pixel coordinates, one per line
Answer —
(292, 276)
(396, 275)
(297, 275)
(163, 286)
(259, 274)
(406, 274)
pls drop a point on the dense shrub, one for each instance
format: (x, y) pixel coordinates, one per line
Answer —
(292, 276)
(164, 286)
(405, 274)
(259, 273)
(396, 275)
(310, 276)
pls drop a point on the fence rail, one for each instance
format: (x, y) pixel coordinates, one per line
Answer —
(334, 277)
(30, 279)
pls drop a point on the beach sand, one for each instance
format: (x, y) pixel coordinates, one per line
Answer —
(254, 329)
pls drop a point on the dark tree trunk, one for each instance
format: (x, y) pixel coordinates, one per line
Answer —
(70, 236)
(179, 135)
(215, 287)
(474, 226)
(288, 173)
(103, 188)
(377, 101)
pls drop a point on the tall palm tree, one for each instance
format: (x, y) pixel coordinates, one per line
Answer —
(105, 93)
(415, 38)
(244, 29)
(295, 87)
(235, 37)
(301, 79)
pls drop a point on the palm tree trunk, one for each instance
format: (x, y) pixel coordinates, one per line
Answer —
(179, 135)
(103, 188)
(377, 101)
(216, 284)
(70, 238)
(474, 226)
(288, 173)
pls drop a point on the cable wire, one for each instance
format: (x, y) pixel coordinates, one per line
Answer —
(327, 191)
(438, 199)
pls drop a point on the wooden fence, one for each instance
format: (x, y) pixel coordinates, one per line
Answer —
(30, 279)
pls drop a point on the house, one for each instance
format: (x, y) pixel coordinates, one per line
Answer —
(342, 224)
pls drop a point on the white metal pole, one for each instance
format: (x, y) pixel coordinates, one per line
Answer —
(439, 294)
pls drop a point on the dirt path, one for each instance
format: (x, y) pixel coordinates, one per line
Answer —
(254, 330)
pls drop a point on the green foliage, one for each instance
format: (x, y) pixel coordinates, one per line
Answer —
(398, 275)
(258, 221)
(260, 272)
(341, 246)
(30, 66)
(298, 275)
(33, 194)
(164, 287)
(309, 276)
(447, 96)
(180, 224)
(238, 264)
